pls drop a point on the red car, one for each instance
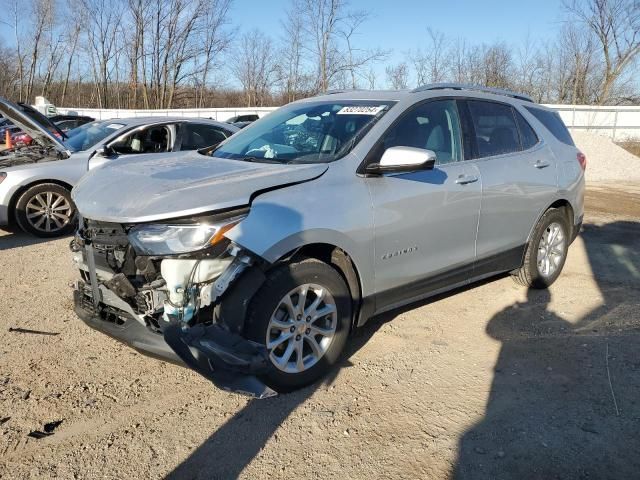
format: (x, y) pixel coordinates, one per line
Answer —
(22, 139)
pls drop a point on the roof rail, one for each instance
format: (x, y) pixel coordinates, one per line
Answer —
(341, 90)
(477, 88)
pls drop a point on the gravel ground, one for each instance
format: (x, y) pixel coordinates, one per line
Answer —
(606, 161)
(490, 382)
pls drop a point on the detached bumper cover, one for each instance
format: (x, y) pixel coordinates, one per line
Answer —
(229, 361)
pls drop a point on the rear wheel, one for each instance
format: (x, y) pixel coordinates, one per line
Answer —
(46, 210)
(546, 252)
(302, 314)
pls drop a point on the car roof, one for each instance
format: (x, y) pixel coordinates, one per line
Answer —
(140, 121)
(429, 91)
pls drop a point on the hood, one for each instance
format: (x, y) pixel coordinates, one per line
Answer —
(35, 124)
(132, 190)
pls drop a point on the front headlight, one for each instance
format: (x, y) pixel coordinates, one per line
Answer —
(2, 176)
(173, 239)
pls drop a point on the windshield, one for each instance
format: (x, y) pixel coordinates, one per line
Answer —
(88, 135)
(317, 132)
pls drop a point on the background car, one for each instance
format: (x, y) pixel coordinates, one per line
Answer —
(68, 124)
(8, 127)
(35, 187)
(22, 139)
(247, 117)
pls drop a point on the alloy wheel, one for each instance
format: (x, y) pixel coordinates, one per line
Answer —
(551, 250)
(301, 328)
(49, 212)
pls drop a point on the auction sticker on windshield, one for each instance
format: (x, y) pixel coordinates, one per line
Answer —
(361, 110)
(115, 126)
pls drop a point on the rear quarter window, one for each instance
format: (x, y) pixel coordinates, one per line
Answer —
(528, 136)
(553, 123)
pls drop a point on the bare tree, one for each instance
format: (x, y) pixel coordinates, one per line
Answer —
(398, 76)
(371, 78)
(433, 64)
(15, 25)
(330, 28)
(42, 12)
(102, 30)
(292, 76)
(497, 66)
(215, 40)
(254, 67)
(74, 28)
(616, 25)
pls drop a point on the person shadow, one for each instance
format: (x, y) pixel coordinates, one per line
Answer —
(564, 398)
(234, 445)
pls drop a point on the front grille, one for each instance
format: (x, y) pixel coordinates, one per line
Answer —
(105, 235)
(112, 250)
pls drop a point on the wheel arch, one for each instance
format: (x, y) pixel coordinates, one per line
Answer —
(23, 188)
(339, 259)
(564, 206)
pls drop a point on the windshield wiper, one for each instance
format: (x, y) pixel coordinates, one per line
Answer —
(260, 160)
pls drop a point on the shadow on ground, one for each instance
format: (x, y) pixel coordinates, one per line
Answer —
(234, 445)
(564, 400)
(13, 237)
(551, 412)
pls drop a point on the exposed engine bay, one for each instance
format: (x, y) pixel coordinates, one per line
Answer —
(175, 297)
(27, 155)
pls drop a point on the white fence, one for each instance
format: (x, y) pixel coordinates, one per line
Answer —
(220, 114)
(618, 123)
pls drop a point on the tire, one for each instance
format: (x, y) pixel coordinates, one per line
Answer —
(267, 306)
(535, 275)
(53, 201)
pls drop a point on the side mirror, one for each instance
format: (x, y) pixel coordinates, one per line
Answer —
(403, 159)
(103, 152)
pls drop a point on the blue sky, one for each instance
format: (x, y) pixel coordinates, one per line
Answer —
(401, 24)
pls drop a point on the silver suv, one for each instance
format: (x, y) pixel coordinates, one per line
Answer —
(252, 261)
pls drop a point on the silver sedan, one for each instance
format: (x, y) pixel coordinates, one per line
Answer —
(36, 182)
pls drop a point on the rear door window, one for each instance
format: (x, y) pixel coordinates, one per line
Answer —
(199, 135)
(553, 123)
(495, 128)
(528, 136)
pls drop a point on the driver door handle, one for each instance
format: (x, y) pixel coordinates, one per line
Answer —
(465, 179)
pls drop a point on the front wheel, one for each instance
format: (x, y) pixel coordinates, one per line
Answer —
(46, 210)
(302, 314)
(546, 252)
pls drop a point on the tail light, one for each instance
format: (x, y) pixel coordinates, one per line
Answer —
(582, 160)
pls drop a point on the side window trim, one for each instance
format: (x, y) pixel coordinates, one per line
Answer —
(468, 131)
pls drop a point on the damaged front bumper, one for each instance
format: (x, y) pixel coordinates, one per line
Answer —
(227, 359)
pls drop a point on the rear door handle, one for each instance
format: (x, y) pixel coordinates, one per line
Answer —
(464, 179)
(541, 164)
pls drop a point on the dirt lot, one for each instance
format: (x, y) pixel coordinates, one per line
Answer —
(490, 382)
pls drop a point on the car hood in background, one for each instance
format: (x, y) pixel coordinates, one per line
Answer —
(162, 187)
(34, 123)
